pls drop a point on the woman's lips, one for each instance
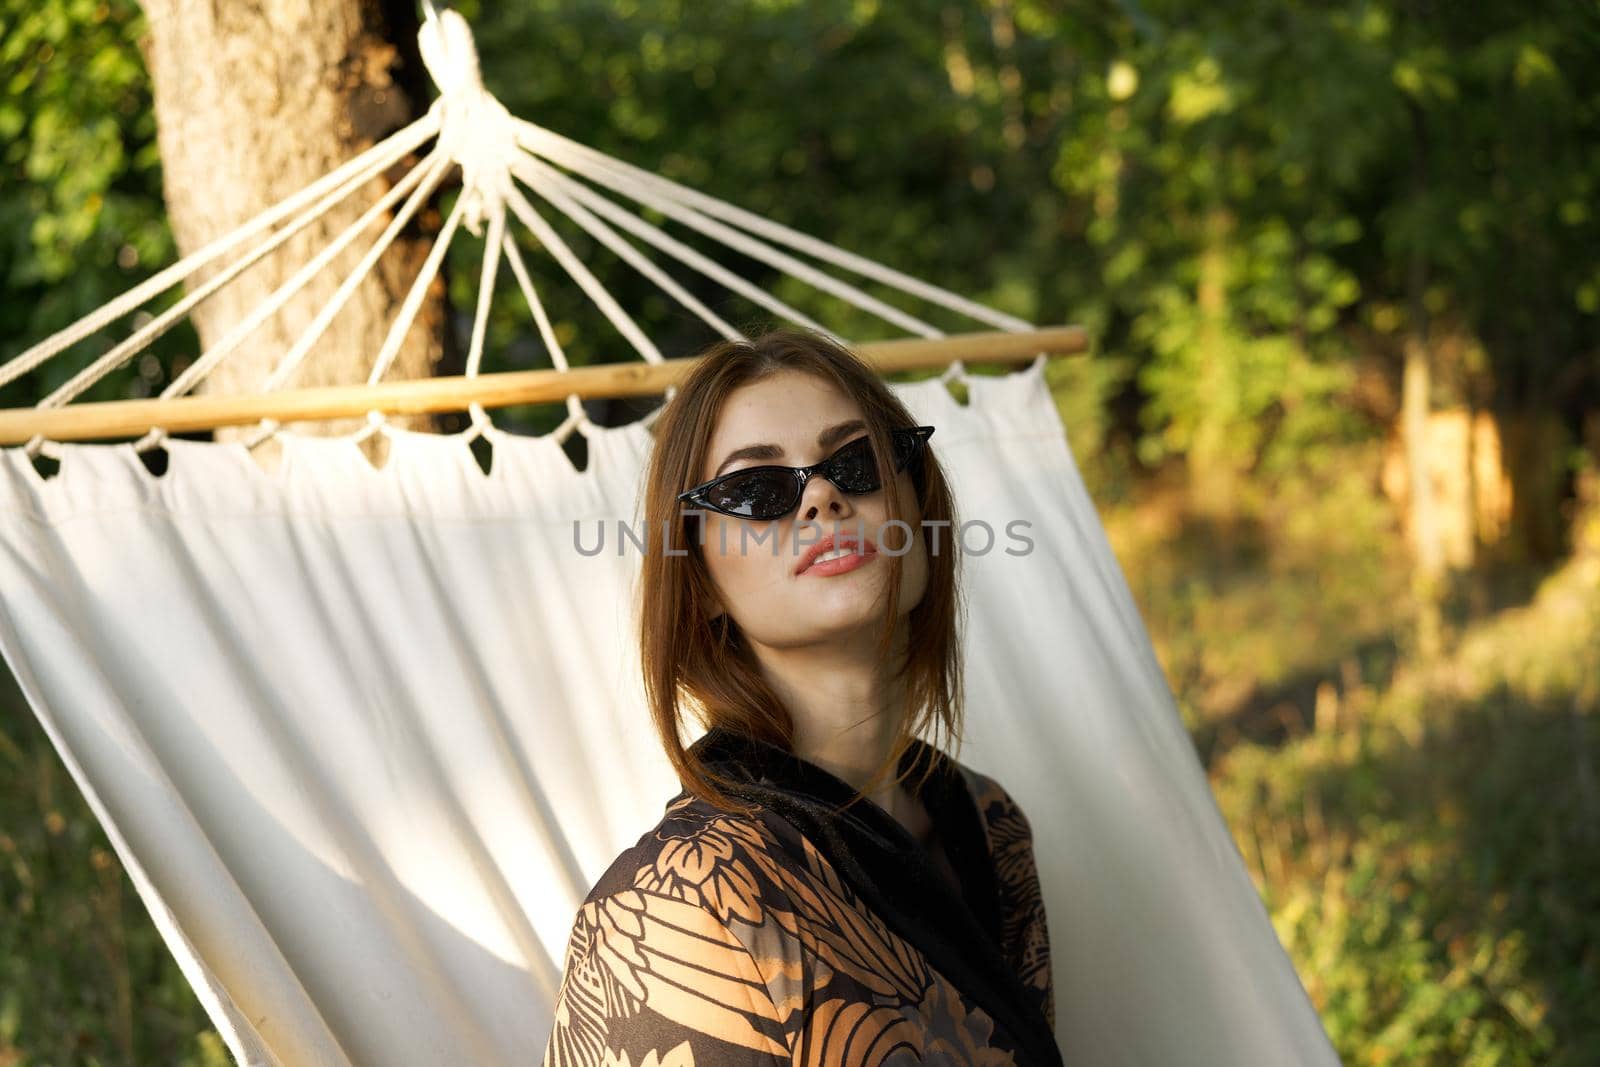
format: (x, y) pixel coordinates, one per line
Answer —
(862, 554)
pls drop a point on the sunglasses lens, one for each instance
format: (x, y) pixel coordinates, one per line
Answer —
(757, 495)
(853, 468)
(905, 446)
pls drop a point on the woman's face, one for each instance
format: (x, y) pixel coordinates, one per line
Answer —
(755, 565)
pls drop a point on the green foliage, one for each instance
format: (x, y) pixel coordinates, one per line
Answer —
(80, 216)
(1219, 194)
(906, 132)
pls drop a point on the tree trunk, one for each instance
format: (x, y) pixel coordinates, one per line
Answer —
(1416, 384)
(254, 101)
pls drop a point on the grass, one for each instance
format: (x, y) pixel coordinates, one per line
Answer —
(1426, 836)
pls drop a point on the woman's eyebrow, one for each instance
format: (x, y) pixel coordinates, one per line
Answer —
(826, 439)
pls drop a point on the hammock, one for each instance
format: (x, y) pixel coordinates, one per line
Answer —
(341, 724)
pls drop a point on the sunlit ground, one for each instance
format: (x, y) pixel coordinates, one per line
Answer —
(1426, 836)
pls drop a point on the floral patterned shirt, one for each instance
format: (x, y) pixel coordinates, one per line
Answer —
(723, 939)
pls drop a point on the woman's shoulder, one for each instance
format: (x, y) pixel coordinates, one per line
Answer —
(689, 853)
(1002, 816)
(1024, 926)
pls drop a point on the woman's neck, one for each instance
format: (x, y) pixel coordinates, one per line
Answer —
(846, 717)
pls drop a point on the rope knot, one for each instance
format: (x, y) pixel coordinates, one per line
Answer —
(476, 130)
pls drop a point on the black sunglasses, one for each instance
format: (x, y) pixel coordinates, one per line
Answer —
(771, 492)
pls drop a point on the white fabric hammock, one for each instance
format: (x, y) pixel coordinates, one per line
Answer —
(341, 724)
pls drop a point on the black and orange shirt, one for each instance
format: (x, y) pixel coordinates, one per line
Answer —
(801, 935)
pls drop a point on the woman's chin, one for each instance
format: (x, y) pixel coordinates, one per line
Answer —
(841, 622)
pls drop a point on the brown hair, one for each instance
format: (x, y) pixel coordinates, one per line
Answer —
(696, 664)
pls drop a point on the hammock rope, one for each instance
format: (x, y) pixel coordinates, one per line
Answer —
(398, 143)
(499, 156)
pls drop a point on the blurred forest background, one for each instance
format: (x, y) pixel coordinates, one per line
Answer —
(1340, 262)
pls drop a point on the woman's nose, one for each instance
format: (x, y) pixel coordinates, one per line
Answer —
(822, 498)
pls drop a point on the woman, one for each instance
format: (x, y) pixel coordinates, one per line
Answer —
(827, 888)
